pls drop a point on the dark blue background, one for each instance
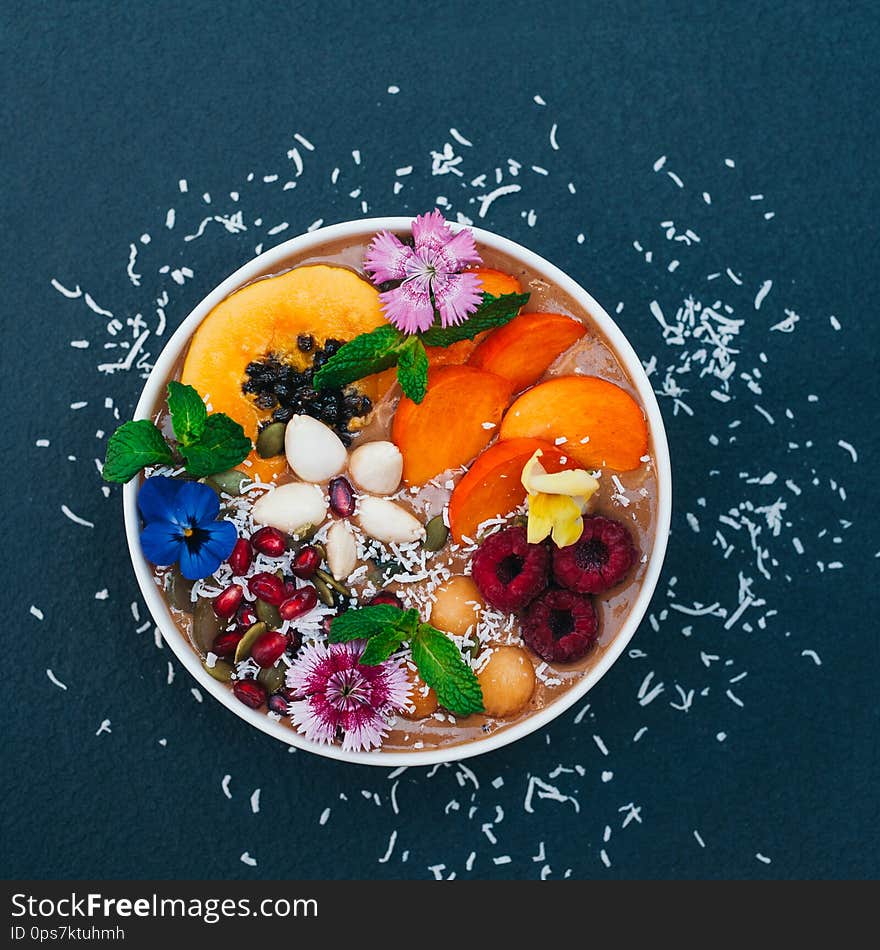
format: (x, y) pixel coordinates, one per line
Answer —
(106, 106)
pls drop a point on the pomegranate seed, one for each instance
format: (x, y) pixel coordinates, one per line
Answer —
(304, 600)
(269, 541)
(278, 702)
(267, 587)
(246, 616)
(226, 642)
(249, 692)
(342, 497)
(306, 562)
(386, 597)
(326, 623)
(241, 557)
(294, 641)
(268, 648)
(227, 601)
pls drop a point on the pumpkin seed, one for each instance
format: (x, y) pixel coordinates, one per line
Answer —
(221, 670)
(305, 534)
(268, 614)
(178, 590)
(436, 534)
(324, 592)
(205, 626)
(270, 441)
(331, 582)
(243, 650)
(272, 677)
(229, 483)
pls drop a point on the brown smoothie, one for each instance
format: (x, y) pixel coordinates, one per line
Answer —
(627, 496)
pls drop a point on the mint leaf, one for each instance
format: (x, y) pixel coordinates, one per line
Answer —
(441, 666)
(364, 355)
(133, 446)
(381, 645)
(221, 446)
(365, 622)
(492, 312)
(412, 369)
(188, 412)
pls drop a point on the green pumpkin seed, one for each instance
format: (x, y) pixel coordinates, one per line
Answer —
(324, 592)
(205, 626)
(272, 677)
(243, 650)
(436, 534)
(331, 582)
(178, 590)
(268, 614)
(221, 670)
(270, 441)
(229, 483)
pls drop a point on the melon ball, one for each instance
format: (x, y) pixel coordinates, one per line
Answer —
(458, 605)
(507, 681)
(422, 697)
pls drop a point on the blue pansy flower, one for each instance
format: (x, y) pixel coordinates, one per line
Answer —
(182, 526)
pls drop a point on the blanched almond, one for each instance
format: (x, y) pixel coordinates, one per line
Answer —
(291, 507)
(341, 550)
(383, 520)
(314, 451)
(377, 467)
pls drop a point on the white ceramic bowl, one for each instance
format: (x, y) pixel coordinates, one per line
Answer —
(270, 262)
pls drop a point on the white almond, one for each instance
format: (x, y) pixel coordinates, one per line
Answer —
(314, 451)
(376, 467)
(383, 520)
(291, 507)
(341, 550)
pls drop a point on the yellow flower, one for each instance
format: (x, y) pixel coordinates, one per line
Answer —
(556, 501)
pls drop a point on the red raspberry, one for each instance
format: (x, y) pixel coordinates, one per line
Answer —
(560, 626)
(509, 571)
(599, 559)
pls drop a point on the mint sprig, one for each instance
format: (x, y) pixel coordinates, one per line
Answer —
(133, 446)
(440, 664)
(493, 312)
(364, 355)
(221, 446)
(206, 443)
(188, 412)
(386, 346)
(412, 369)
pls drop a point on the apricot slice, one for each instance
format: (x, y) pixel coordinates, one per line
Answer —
(492, 486)
(267, 316)
(523, 349)
(496, 282)
(452, 425)
(604, 427)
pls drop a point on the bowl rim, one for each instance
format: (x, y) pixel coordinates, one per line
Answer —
(263, 264)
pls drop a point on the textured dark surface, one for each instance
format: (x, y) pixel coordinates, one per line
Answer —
(106, 107)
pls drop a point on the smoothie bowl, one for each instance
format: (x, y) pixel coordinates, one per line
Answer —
(398, 491)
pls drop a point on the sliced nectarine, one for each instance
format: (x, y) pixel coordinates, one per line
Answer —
(496, 282)
(456, 420)
(523, 349)
(492, 486)
(267, 317)
(602, 424)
